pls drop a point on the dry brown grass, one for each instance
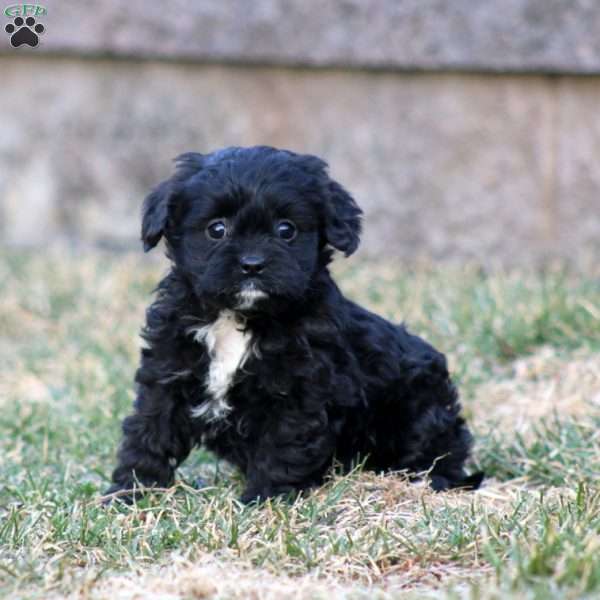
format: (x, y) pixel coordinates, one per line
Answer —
(370, 502)
(539, 386)
(209, 579)
(409, 570)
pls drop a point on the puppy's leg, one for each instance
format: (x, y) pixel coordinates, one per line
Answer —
(441, 439)
(292, 454)
(422, 430)
(444, 455)
(156, 439)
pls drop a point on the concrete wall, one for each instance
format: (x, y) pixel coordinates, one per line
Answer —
(486, 35)
(491, 165)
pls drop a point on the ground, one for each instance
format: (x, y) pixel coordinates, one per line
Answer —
(524, 348)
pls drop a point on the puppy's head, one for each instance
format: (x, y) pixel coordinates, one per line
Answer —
(251, 227)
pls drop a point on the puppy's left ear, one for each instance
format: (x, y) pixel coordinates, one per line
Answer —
(342, 219)
(159, 203)
(155, 213)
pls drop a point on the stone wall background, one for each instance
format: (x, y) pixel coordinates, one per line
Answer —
(465, 132)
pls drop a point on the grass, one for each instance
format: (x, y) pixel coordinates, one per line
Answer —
(525, 349)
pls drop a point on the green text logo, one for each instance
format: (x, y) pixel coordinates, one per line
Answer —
(24, 10)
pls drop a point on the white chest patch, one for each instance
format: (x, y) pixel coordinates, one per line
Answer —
(228, 346)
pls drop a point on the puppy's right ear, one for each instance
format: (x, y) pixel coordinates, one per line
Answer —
(155, 213)
(157, 205)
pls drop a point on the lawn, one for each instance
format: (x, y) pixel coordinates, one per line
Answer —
(523, 346)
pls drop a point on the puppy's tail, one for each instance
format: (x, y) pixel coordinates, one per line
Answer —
(469, 482)
(440, 483)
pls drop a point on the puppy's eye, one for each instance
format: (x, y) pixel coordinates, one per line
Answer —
(216, 230)
(286, 230)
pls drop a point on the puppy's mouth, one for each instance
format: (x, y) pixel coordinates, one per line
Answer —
(249, 296)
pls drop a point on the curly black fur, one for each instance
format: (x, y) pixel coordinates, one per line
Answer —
(320, 378)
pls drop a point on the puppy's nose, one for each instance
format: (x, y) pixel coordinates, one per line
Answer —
(252, 264)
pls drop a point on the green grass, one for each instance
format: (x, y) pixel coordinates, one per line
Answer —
(516, 341)
(560, 451)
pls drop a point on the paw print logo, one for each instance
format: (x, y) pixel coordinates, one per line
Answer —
(24, 32)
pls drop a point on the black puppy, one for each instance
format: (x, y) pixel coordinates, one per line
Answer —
(253, 351)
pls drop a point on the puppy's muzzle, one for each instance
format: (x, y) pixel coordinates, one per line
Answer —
(252, 265)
